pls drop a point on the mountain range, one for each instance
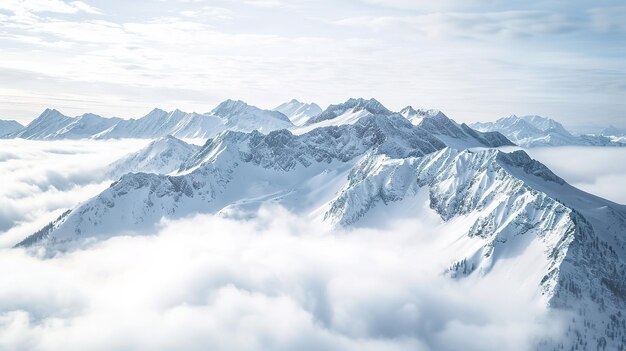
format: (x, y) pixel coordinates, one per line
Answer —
(535, 131)
(299, 117)
(358, 164)
(229, 115)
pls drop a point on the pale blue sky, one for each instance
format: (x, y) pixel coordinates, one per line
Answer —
(473, 59)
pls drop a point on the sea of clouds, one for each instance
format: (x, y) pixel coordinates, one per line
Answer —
(597, 170)
(39, 180)
(269, 282)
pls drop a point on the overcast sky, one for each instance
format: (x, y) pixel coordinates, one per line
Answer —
(474, 59)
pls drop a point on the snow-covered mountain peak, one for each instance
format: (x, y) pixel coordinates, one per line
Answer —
(163, 155)
(155, 113)
(243, 117)
(417, 116)
(298, 112)
(230, 107)
(8, 128)
(522, 160)
(372, 105)
(352, 106)
(545, 124)
(49, 114)
(455, 135)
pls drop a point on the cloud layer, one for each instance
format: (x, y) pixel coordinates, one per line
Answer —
(596, 170)
(271, 283)
(42, 179)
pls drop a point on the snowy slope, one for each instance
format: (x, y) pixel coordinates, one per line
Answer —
(9, 127)
(298, 112)
(532, 131)
(164, 155)
(243, 117)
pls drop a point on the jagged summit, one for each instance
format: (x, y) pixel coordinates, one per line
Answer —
(238, 115)
(456, 135)
(352, 106)
(48, 114)
(416, 116)
(230, 107)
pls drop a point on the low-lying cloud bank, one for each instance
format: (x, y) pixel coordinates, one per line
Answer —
(597, 170)
(41, 179)
(271, 283)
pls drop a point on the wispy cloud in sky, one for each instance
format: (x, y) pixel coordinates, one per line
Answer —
(475, 60)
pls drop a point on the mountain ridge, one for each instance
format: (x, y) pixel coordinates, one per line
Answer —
(536, 131)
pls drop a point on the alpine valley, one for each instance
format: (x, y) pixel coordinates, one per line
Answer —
(358, 164)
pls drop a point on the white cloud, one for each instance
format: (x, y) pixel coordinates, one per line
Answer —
(54, 6)
(211, 12)
(265, 3)
(505, 24)
(272, 283)
(598, 170)
(42, 179)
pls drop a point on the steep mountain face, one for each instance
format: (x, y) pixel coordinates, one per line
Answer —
(242, 117)
(8, 127)
(533, 131)
(162, 156)
(298, 112)
(455, 135)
